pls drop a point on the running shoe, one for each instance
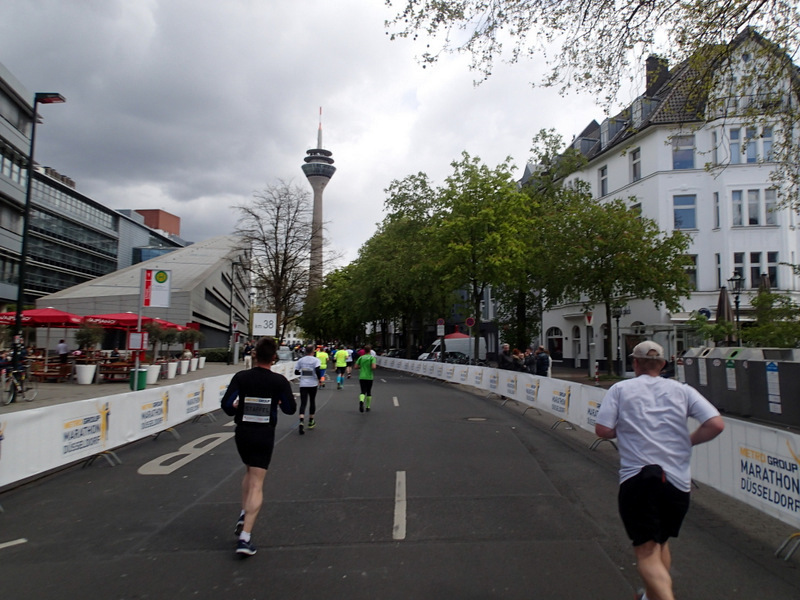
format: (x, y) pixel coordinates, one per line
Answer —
(239, 526)
(312, 423)
(300, 428)
(245, 548)
(360, 406)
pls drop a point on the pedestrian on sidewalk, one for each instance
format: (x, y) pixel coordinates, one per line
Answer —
(308, 368)
(252, 399)
(648, 416)
(366, 365)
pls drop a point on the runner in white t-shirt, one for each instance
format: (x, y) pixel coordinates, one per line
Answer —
(648, 416)
(308, 368)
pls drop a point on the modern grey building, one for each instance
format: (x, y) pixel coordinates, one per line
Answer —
(209, 287)
(72, 238)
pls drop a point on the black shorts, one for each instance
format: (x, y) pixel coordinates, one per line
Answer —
(255, 444)
(341, 370)
(652, 509)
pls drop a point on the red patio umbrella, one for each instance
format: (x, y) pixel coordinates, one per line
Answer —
(41, 317)
(37, 317)
(168, 324)
(126, 320)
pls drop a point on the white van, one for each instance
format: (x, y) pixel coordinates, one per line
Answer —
(465, 345)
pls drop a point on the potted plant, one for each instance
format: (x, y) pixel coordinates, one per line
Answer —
(190, 336)
(87, 337)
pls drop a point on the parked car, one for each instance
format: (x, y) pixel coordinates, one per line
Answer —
(285, 353)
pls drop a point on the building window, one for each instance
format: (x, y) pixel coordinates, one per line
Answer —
(755, 269)
(738, 263)
(735, 146)
(753, 207)
(684, 210)
(770, 207)
(683, 152)
(758, 212)
(718, 263)
(766, 143)
(716, 210)
(602, 174)
(737, 208)
(750, 147)
(772, 269)
(691, 271)
(714, 150)
(636, 209)
(636, 164)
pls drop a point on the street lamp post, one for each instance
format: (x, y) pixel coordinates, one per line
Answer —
(616, 312)
(38, 98)
(231, 345)
(735, 284)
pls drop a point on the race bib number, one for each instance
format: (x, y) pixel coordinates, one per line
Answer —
(256, 410)
(307, 373)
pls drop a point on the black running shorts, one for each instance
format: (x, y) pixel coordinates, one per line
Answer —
(255, 444)
(652, 509)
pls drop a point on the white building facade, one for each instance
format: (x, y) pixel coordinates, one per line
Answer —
(710, 178)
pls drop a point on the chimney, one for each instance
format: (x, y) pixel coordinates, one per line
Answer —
(657, 73)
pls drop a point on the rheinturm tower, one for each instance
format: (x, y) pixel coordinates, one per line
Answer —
(318, 169)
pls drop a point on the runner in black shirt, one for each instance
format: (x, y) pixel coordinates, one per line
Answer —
(252, 399)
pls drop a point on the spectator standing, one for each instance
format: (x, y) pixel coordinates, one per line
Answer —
(63, 358)
(252, 399)
(248, 354)
(505, 361)
(543, 362)
(648, 416)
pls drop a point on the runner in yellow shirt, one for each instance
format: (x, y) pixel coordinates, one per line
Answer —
(341, 366)
(323, 364)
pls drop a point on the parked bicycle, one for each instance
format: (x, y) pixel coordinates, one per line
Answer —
(17, 385)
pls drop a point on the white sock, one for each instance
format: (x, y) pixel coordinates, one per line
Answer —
(244, 536)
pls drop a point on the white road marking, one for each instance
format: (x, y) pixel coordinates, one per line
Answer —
(395, 401)
(164, 465)
(399, 529)
(13, 543)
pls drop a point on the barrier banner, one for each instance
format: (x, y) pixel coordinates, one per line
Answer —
(41, 439)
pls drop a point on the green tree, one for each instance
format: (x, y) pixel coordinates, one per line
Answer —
(476, 229)
(589, 45)
(155, 334)
(521, 297)
(777, 322)
(716, 331)
(602, 252)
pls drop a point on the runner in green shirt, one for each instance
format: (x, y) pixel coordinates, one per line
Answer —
(366, 364)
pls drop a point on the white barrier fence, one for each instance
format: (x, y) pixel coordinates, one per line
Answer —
(41, 439)
(752, 463)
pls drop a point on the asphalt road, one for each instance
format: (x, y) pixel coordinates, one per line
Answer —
(438, 492)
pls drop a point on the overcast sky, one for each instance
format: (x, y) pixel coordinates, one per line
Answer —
(193, 105)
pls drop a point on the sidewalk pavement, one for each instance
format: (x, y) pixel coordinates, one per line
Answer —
(49, 393)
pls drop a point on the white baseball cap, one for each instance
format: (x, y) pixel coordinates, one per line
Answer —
(648, 349)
